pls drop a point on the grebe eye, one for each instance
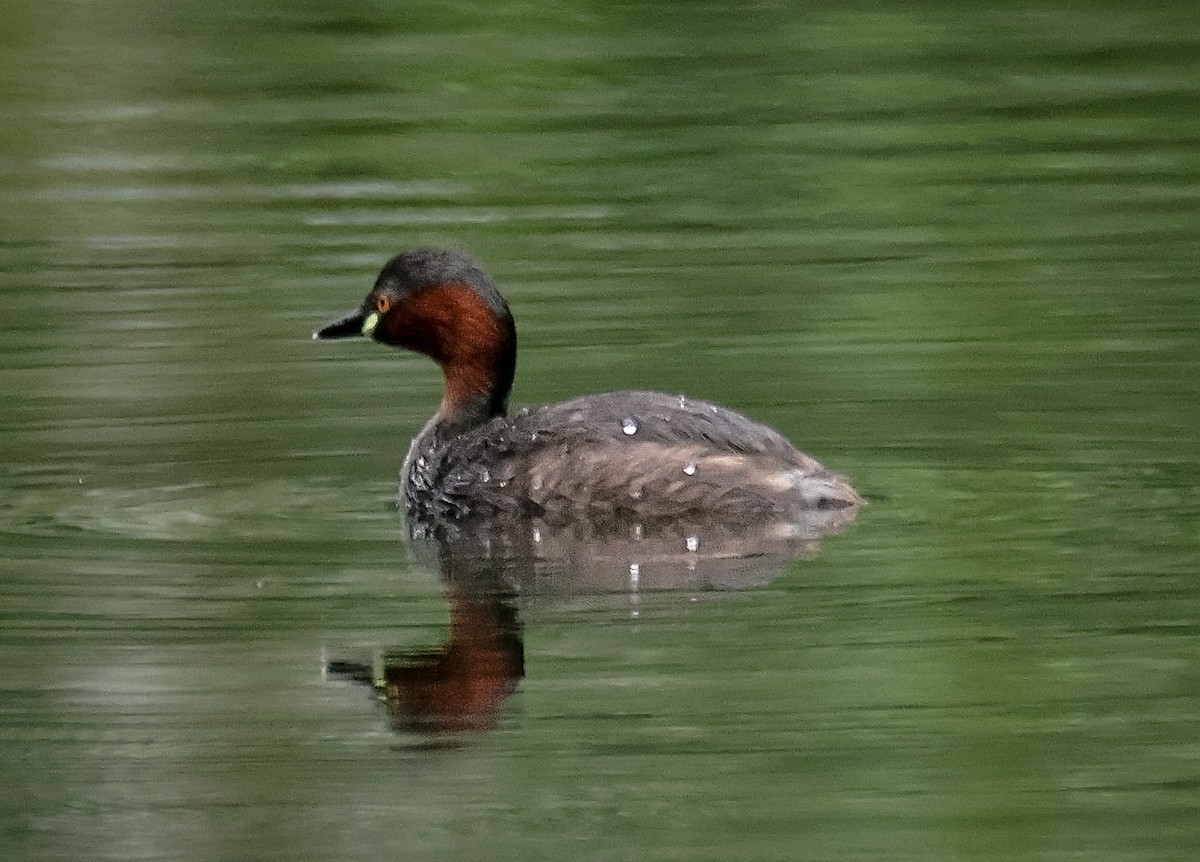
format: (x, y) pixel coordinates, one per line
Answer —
(382, 304)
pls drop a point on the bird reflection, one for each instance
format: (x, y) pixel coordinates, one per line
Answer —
(493, 566)
(461, 685)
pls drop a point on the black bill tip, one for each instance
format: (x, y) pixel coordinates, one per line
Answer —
(349, 326)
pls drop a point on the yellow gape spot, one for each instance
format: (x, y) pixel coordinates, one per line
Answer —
(370, 322)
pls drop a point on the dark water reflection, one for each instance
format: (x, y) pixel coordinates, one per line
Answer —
(492, 565)
(461, 686)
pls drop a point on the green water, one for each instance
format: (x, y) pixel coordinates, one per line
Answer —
(950, 249)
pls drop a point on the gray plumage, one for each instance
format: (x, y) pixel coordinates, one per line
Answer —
(645, 455)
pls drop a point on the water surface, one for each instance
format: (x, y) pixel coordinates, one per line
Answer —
(951, 251)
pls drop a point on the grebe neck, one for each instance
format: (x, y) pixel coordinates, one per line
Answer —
(477, 381)
(473, 340)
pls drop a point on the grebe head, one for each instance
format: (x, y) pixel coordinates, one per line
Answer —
(442, 304)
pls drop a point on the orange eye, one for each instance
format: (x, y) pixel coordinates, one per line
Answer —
(382, 304)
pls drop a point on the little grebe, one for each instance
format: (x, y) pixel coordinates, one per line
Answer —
(635, 455)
